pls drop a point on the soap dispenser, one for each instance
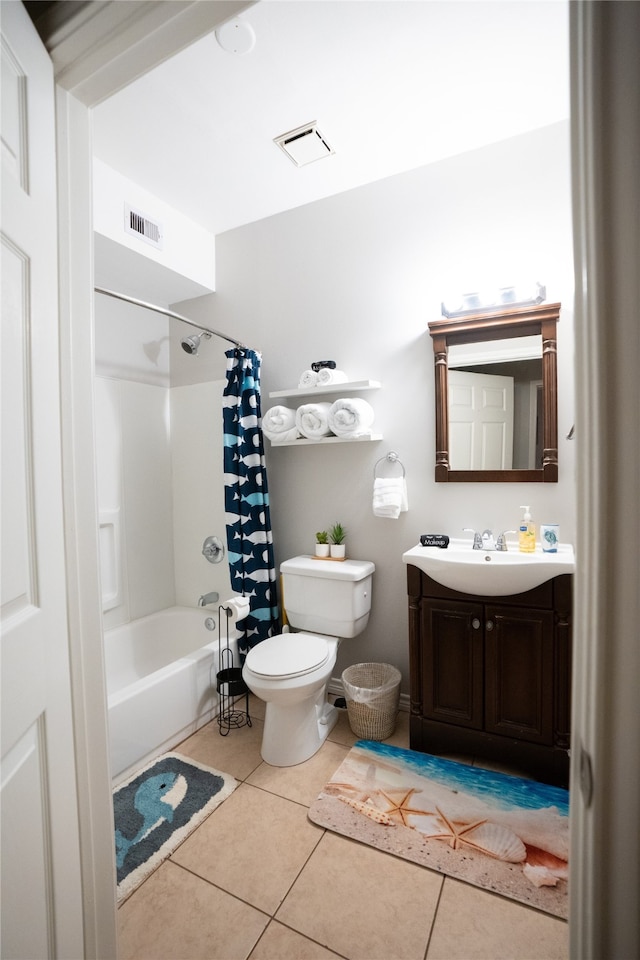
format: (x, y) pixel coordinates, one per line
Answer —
(527, 532)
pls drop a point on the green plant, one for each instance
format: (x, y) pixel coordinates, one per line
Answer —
(322, 537)
(337, 533)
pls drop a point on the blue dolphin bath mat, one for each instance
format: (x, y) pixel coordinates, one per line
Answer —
(157, 808)
(503, 833)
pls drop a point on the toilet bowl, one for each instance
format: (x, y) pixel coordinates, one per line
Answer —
(290, 671)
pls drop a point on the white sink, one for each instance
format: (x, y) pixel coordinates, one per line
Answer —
(489, 572)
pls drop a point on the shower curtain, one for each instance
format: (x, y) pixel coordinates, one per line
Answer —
(246, 497)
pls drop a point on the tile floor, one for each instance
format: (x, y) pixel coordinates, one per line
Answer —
(258, 880)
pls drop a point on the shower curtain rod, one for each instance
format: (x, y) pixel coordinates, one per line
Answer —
(167, 313)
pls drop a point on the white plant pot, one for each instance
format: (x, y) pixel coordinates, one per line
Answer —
(338, 550)
(322, 550)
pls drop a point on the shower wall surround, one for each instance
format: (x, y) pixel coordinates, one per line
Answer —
(159, 466)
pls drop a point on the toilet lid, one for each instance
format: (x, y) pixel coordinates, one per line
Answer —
(288, 655)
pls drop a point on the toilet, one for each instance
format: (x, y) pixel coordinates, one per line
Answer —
(326, 601)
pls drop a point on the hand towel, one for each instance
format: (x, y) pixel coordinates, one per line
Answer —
(327, 376)
(390, 497)
(312, 420)
(350, 418)
(308, 378)
(279, 424)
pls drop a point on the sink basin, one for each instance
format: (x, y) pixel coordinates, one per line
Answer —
(488, 572)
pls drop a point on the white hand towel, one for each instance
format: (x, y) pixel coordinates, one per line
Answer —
(326, 376)
(308, 378)
(351, 417)
(279, 424)
(390, 497)
(312, 420)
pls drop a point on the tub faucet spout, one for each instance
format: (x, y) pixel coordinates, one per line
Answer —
(206, 598)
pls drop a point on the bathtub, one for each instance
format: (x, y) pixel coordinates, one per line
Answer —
(161, 682)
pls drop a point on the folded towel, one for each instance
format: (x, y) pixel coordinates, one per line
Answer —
(308, 378)
(351, 417)
(327, 376)
(279, 424)
(390, 497)
(312, 420)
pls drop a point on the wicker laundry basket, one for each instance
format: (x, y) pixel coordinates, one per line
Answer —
(372, 692)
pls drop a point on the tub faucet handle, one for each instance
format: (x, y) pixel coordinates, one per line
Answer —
(206, 598)
(477, 537)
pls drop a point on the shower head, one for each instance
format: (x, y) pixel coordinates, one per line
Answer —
(192, 344)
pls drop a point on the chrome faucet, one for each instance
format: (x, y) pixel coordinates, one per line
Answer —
(477, 537)
(488, 543)
(501, 545)
(206, 598)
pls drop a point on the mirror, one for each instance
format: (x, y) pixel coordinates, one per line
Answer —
(496, 395)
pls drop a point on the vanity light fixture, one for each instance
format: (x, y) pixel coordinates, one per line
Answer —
(476, 302)
(304, 144)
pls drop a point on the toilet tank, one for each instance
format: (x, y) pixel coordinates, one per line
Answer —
(327, 596)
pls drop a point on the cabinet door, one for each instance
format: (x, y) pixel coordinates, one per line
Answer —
(452, 670)
(519, 673)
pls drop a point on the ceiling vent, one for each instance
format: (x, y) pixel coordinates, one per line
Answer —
(304, 145)
(142, 226)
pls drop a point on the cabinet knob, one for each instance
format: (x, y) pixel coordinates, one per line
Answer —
(475, 623)
(489, 625)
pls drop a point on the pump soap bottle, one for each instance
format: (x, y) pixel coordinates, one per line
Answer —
(527, 536)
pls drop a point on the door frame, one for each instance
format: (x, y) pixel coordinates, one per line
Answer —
(604, 64)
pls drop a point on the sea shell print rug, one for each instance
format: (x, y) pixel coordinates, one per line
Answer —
(506, 834)
(157, 808)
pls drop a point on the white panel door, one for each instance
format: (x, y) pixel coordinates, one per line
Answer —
(480, 421)
(41, 887)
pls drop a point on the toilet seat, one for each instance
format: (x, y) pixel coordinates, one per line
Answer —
(288, 655)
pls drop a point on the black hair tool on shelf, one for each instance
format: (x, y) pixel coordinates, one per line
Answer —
(319, 364)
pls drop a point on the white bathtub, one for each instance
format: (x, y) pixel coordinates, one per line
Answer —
(161, 682)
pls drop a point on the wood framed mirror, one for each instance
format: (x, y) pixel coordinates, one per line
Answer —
(509, 360)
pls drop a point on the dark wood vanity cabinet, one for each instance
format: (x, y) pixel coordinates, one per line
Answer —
(490, 676)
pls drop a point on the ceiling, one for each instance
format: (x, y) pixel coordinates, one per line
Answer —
(393, 85)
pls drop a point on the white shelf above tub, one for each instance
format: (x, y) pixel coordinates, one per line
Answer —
(351, 386)
(304, 442)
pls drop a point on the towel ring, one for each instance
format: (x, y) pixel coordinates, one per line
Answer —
(391, 457)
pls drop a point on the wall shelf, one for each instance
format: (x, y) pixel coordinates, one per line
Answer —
(351, 386)
(304, 442)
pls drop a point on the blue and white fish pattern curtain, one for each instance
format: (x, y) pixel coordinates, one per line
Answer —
(246, 497)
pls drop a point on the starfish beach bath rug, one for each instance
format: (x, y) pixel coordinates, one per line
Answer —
(503, 833)
(157, 808)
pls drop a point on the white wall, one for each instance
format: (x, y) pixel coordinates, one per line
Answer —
(356, 278)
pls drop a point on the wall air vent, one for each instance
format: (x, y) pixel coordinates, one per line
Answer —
(142, 226)
(304, 145)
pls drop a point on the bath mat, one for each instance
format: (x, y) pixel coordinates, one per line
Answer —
(503, 833)
(157, 808)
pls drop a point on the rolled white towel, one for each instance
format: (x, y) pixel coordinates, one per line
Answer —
(390, 497)
(312, 420)
(351, 417)
(308, 378)
(279, 424)
(327, 376)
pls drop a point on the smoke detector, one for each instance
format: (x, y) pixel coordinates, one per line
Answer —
(304, 144)
(236, 36)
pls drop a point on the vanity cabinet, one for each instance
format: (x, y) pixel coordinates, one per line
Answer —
(490, 676)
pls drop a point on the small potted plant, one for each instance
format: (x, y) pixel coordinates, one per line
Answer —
(338, 535)
(322, 544)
